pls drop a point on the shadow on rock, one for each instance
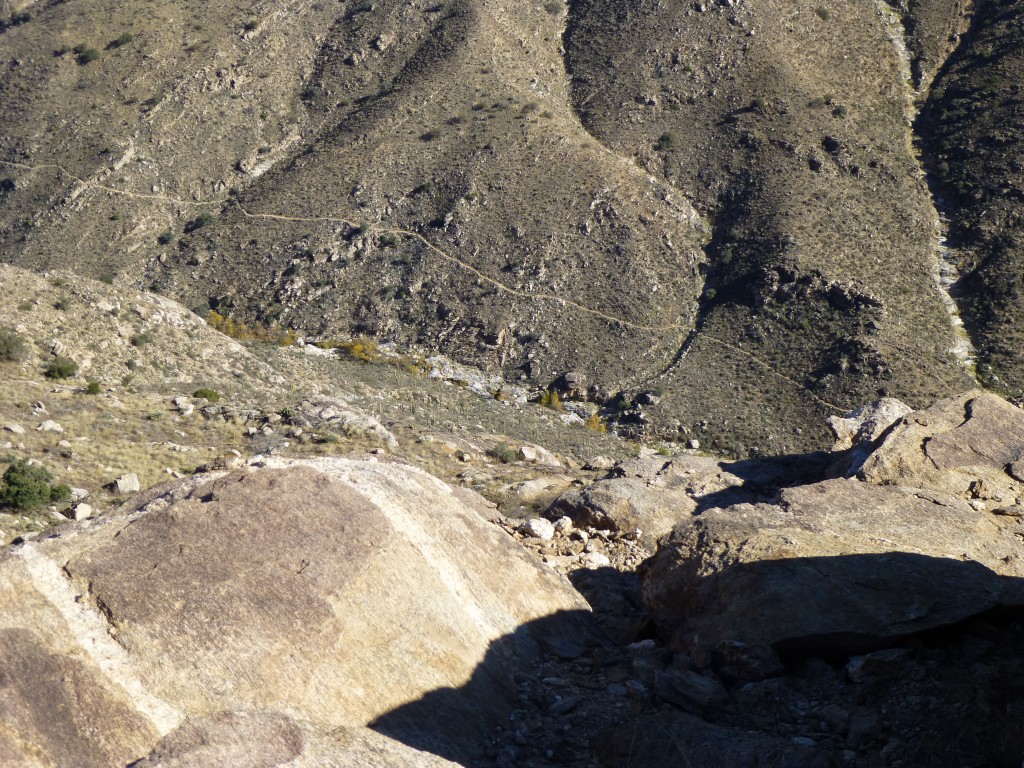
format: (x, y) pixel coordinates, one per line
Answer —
(762, 478)
(824, 606)
(457, 723)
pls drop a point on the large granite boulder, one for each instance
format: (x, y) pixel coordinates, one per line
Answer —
(333, 592)
(926, 535)
(262, 739)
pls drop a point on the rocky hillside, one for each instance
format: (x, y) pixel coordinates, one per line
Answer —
(722, 218)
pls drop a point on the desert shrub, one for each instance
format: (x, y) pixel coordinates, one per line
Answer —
(141, 339)
(210, 395)
(123, 39)
(93, 388)
(243, 332)
(166, 237)
(363, 349)
(551, 399)
(665, 142)
(596, 424)
(61, 368)
(13, 348)
(26, 486)
(504, 453)
(86, 54)
(823, 13)
(199, 222)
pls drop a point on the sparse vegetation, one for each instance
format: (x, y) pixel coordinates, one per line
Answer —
(242, 332)
(166, 237)
(93, 388)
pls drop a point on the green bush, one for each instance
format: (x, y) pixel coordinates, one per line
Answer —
(61, 368)
(166, 238)
(199, 222)
(13, 348)
(26, 486)
(207, 394)
(93, 388)
(504, 453)
(665, 142)
(86, 54)
(141, 339)
(123, 39)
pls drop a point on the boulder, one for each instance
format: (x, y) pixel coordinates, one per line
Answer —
(128, 483)
(651, 494)
(867, 423)
(832, 567)
(332, 592)
(964, 446)
(268, 739)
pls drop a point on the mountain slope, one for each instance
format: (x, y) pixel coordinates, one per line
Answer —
(714, 214)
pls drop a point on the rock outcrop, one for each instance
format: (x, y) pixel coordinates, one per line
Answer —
(926, 535)
(295, 601)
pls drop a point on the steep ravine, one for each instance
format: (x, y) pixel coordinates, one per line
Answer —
(945, 272)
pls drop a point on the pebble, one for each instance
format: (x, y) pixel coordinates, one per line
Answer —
(564, 526)
(565, 705)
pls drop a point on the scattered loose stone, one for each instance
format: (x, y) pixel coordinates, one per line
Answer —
(81, 511)
(539, 528)
(128, 483)
(50, 426)
(563, 526)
